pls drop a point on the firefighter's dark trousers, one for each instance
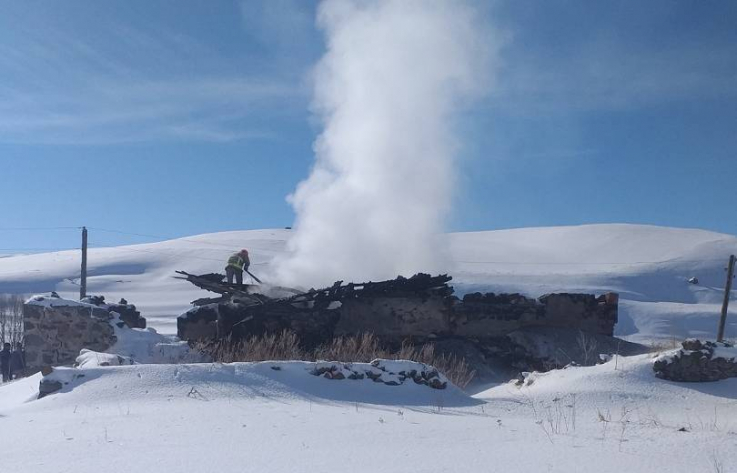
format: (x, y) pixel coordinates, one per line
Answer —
(231, 271)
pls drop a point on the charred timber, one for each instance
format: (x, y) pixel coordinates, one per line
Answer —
(215, 282)
(314, 315)
(421, 308)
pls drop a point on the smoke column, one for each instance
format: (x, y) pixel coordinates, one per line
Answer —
(394, 75)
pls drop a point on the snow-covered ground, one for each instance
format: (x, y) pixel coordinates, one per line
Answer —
(249, 417)
(649, 266)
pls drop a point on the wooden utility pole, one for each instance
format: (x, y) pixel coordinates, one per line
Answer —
(83, 279)
(725, 304)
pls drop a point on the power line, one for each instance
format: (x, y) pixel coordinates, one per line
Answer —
(120, 232)
(117, 248)
(11, 229)
(38, 249)
(161, 237)
(178, 253)
(161, 252)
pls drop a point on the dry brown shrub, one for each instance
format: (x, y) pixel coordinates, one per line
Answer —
(363, 348)
(359, 349)
(282, 346)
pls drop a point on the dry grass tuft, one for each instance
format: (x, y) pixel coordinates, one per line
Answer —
(361, 349)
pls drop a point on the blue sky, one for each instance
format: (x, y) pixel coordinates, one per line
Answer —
(173, 118)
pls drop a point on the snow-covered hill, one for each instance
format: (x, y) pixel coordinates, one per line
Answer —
(649, 266)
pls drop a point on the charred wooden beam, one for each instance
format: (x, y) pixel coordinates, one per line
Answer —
(215, 282)
(399, 287)
(209, 300)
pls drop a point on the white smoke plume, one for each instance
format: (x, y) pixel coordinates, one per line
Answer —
(395, 74)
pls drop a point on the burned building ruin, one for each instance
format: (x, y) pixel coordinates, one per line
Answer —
(419, 309)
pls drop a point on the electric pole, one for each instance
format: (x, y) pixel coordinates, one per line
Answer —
(725, 304)
(83, 279)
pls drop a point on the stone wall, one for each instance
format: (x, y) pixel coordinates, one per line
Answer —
(314, 326)
(199, 324)
(492, 315)
(57, 329)
(54, 334)
(587, 312)
(395, 318)
(421, 317)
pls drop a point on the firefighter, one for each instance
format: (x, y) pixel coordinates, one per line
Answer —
(237, 263)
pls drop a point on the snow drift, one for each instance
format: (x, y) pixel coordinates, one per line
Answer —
(178, 418)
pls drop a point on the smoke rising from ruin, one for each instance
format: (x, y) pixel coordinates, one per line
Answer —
(394, 75)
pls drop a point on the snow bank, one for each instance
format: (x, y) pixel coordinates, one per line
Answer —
(121, 379)
(90, 359)
(42, 300)
(621, 380)
(725, 352)
(149, 346)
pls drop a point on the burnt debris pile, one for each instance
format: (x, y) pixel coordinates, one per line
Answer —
(419, 309)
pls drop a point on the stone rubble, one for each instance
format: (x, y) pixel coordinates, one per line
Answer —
(391, 373)
(698, 361)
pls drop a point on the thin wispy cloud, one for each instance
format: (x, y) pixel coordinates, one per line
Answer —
(280, 24)
(60, 89)
(612, 74)
(590, 85)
